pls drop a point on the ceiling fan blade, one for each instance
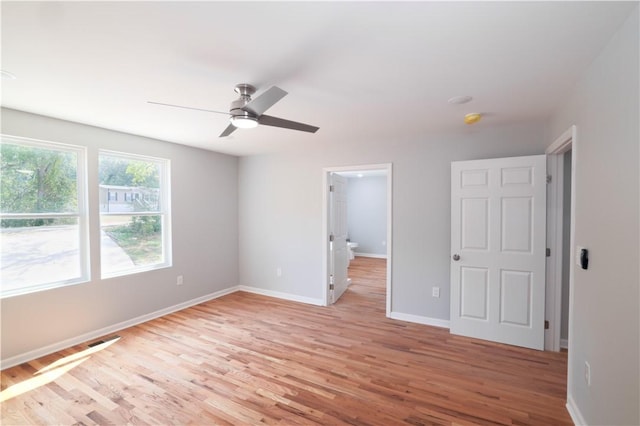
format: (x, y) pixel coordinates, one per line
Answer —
(230, 129)
(265, 101)
(268, 120)
(186, 107)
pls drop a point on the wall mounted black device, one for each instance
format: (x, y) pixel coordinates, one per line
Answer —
(584, 258)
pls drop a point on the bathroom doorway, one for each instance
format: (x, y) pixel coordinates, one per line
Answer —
(369, 230)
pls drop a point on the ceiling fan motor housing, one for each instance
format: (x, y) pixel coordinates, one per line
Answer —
(237, 111)
(245, 91)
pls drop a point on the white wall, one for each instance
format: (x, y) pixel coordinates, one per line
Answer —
(281, 209)
(367, 214)
(604, 321)
(205, 235)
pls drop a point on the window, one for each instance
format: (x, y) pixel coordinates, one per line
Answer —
(135, 230)
(43, 221)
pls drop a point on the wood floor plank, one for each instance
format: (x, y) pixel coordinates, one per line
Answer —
(250, 359)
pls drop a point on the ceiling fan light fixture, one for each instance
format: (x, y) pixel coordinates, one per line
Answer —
(244, 122)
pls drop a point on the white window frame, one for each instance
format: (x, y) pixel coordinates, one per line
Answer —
(81, 214)
(164, 212)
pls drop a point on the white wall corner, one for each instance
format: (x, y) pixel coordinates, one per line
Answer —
(434, 322)
(574, 412)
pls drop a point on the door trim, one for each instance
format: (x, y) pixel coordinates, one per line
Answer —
(555, 151)
(325, 224)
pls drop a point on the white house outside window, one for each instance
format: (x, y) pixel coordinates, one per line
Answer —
(43, 215)
(134, 213)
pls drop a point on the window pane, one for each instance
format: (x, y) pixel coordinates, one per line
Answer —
(38, 251)
(133, 213)
(37, 180)
(129, 185)
(130, 242)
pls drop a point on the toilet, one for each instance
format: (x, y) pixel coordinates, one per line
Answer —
(351, 246)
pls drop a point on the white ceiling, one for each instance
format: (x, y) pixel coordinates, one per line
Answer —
(357, 70)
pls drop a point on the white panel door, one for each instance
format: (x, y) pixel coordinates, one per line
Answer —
(339, 253)
(498, 247)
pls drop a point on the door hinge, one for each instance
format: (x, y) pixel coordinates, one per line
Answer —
(331, 188)
(548, 178)
(546, 324)
(548, 252)
(331, 238)
(331, 286)
(331, 282)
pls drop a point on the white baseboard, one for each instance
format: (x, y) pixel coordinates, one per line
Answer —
(435, 322)
(280, 295)
(574, 412)
(564, 343)
(58, 346)
(377, 256)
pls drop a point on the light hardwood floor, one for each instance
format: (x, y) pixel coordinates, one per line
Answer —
(249, 359)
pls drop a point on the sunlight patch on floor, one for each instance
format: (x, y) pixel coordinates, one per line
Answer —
(53, 371)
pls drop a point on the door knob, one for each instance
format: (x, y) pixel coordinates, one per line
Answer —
(456, 257)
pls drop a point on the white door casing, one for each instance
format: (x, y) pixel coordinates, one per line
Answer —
(338, 251)
(386, 169)
(498, 227)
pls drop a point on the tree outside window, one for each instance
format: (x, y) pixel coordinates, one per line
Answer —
(42, 215)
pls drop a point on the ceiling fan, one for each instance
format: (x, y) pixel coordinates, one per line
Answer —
(246, 113)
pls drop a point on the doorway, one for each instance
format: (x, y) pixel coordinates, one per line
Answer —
(561, 161)
(566, 249)
(372, 246)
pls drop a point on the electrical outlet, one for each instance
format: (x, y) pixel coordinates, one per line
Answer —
(587, 373)
(278, 272)
(180, 280)
(435, 292)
